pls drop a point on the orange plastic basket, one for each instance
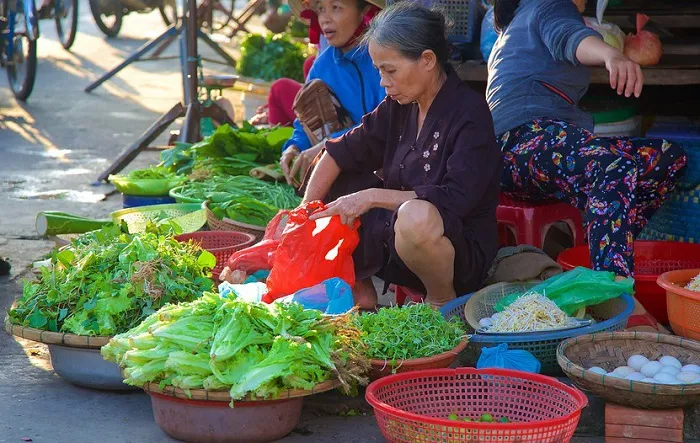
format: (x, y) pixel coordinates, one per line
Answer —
(683, 304)
(220, 243)
(413, 406)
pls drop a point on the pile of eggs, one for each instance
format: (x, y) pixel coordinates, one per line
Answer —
(666, 370)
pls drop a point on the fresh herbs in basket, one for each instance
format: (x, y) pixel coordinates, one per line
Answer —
(410, 332)
(216, 343)
(243, 199)
(107, 281)
(272, 57)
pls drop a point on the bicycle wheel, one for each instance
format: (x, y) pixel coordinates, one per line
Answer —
(170, 12)
(66, 21)
(21, 64)
(109, 20)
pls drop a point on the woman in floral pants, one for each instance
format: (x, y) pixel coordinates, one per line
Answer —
(618, 182)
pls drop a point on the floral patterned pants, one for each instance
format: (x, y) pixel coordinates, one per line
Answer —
(618, 182)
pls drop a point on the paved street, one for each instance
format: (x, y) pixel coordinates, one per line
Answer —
(51, 149)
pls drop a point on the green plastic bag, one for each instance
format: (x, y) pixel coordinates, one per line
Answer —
(577, 289)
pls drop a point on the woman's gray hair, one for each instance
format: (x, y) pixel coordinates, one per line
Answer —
(411, 29)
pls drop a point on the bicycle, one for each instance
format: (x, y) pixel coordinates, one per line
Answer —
(65, 13)
(19, 31)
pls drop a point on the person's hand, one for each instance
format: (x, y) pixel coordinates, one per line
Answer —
(348, 208)
(286, 161)
(625, 75)
(260, 118)
(302, 164)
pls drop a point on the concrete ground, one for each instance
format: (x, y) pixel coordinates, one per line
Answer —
(51, 149)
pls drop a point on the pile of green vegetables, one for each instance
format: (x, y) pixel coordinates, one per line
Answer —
(484, 418)
(272, 57)
(254, 349)
(403, 333)
(153, 181)
(241, 198)
(108, 281)
(228, 151)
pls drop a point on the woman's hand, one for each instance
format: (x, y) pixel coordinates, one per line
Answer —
(625, 75)
(349, 207)
(288, 157)
(302, 164)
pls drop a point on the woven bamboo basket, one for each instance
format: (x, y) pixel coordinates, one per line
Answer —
(231, 225)
(319, 111)
(205, 395)
(55, 338)
(610, 350)
(482, 303)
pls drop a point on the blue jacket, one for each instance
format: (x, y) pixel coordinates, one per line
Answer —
(352, 78)
(533, 69)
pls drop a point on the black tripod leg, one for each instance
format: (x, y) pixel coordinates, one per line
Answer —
(218, 114)
(133, 57)
(218, 49)
(146, 138)
(190, 130)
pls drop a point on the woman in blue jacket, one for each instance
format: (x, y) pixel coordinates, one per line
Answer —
(345, 67)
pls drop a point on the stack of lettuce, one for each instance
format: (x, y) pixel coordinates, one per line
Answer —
(250, 349)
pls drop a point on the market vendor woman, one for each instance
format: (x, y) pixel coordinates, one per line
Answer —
(431, 224)
(538, 72)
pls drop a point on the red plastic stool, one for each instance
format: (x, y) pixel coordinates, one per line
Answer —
(404, 295)
(530, 222)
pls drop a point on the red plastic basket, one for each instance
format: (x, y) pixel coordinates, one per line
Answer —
(220, 243)
(413, 406)
(652, 258)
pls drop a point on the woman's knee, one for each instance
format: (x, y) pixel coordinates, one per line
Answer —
(418, 222)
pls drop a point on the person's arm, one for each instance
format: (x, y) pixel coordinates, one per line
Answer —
(562, 29)
(322, 178)
(625, 75)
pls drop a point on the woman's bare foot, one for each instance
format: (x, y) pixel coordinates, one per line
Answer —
(365, 294)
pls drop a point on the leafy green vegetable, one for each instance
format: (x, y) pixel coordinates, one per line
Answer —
(108, 281)
(153, 181)
(409, 332)
(228, 151)
(246, 348)
(272, 57)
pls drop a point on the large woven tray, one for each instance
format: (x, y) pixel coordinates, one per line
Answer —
(55, 338)
(610, 350)
(219, 396)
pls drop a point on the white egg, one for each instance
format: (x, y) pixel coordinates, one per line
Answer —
(651, 369)
(635, 376)
(667, 360)
(664, 378)
(687, 377)
(623, 371)
(691, 368)
(648, 380)
(670, 370)
(612, 374)
(637, 361)
(597, 370)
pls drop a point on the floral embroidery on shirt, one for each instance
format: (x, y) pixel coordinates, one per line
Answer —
(435, 147)
(436, 135)
(426, 154)
(426, 167)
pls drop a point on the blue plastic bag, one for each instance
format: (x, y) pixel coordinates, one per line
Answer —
(332, 296)
(500, 357)
(488, 34)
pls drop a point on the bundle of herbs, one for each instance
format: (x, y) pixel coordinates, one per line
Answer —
(246, 348)
(272, 57)
(152, 181)
(108, 281)
(243, 199)
(409, 332)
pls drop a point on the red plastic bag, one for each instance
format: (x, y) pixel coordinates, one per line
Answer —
(311, 252)
(261, 255)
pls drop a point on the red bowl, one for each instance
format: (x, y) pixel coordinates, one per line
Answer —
(652, 258)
